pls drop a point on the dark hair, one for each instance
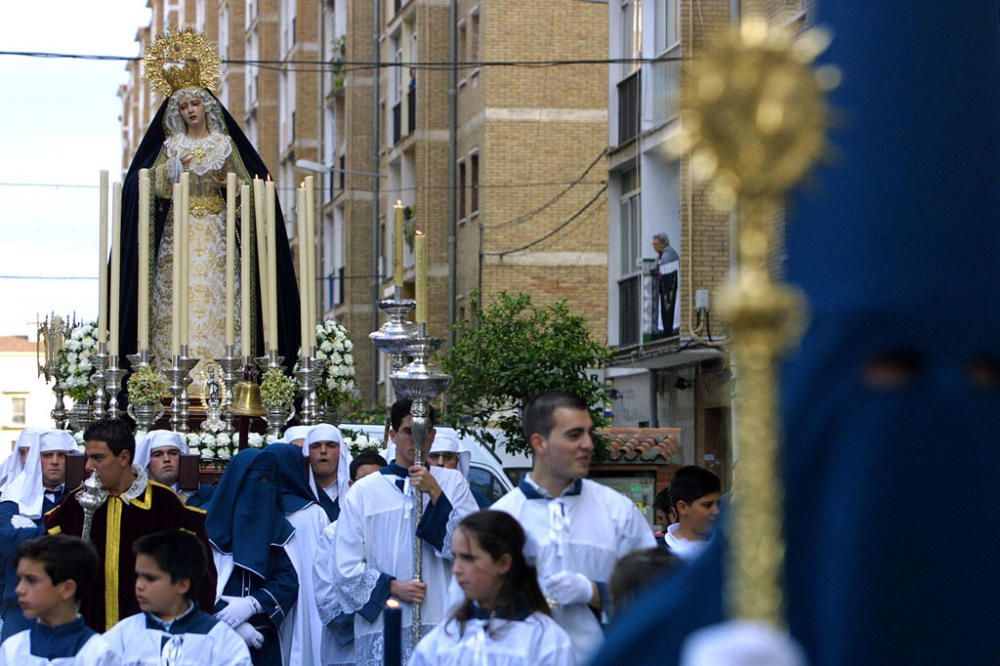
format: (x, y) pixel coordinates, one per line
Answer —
(692, 482)
(113, 432)
(499, 533)
(63, 557)
(635, 571)
(401, 409)
(538, 415)
(178, 553)
(662, 501)
(366, 458)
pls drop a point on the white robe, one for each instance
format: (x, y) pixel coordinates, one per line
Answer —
(375, 535)
(535, 641)
(302, 630)
(685, 549)
(585, 533)
(142, 646)
(16, 650)
(327, 600)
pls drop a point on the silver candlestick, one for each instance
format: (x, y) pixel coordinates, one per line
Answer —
(421, 381)
(91, 497)
(309, 373)
(112, 382)
(179, 376)
(100, 362)
(141, 360)
(232, 371)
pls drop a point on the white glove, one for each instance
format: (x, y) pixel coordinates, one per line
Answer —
(250, 636)
(567, 588)
(239, 610)
(20, 521)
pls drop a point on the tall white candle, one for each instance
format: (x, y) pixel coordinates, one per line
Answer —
(175, 304)
(102, 271)
(397, 245)
(303, 215)
(144, 241)
(272, 263)
(311, 251)
(262, 262)
(245, 316)
(420, 270)
(116, 268)
(230, 258)
(185, 253)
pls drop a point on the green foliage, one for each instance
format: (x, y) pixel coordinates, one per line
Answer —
(277, 390)
(513, 352)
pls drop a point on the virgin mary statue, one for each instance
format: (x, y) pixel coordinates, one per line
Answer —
(192, 132)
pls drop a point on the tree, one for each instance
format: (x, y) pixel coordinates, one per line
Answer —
(513, 352)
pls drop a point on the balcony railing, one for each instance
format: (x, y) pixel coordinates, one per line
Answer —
(629, 108)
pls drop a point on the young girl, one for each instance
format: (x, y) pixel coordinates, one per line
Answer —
(504, 620)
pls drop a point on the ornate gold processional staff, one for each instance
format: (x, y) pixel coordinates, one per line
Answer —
(753, 121)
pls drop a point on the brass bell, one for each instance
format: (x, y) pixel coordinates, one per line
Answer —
(246, 400)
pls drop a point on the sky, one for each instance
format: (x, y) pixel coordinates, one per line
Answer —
(59, 126)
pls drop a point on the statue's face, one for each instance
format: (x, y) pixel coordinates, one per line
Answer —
(192, 111)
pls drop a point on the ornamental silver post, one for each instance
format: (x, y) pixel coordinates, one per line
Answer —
(421, 381)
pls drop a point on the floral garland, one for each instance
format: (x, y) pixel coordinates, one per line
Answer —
(333, 344)
(146, 386)
(358, 441)
(221, 446)
(74, 369)
(277, 390)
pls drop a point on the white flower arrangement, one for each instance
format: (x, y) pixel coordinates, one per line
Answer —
(255, 440)
(73, 368)
(333, 344)
(358, 441)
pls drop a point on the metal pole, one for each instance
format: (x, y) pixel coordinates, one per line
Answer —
(452, 171)
(376, 123)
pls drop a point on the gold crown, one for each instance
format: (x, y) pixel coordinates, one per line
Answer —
(181, 60)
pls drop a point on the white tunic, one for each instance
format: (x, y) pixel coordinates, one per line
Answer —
(141, 645)
(583, 533)
(328, 602)
(16, 651)
(535, 641)
(302, 630)
(374, 536)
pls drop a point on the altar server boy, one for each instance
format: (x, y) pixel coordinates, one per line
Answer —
(576, 529)
(53, 571)
(171, 629)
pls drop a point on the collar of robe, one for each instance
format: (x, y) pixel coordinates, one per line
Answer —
(533, 491)
(477, 612)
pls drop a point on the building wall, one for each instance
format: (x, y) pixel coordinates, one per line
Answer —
(19, 379)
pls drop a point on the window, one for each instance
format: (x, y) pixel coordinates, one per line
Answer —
(224, 33)
(474, 183)
(460, 185)
(463, 45)
(474, 40)
(631, 35)
(667, 25)
(630, 222)
(17, 409)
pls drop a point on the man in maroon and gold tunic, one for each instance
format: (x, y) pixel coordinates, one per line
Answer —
(135, 506)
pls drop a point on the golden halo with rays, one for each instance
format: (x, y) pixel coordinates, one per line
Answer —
(753, 111)
(182, 59)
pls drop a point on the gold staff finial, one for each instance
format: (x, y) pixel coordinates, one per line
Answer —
(753, 121)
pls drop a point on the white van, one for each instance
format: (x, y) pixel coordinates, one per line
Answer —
(486, 472)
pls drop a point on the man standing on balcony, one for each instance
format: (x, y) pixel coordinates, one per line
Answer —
(666, 320)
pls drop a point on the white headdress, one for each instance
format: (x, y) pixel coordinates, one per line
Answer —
(446, 442)
(324, 432)
(27, 489)
(157, 439)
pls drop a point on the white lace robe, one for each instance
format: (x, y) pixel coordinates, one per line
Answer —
(535, 641)
(375, 536)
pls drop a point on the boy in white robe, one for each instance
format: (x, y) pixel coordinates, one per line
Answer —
(172, 629)
(337, 645)
(302, 630)
(576, 529)
(375, 540)
(53, 570)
